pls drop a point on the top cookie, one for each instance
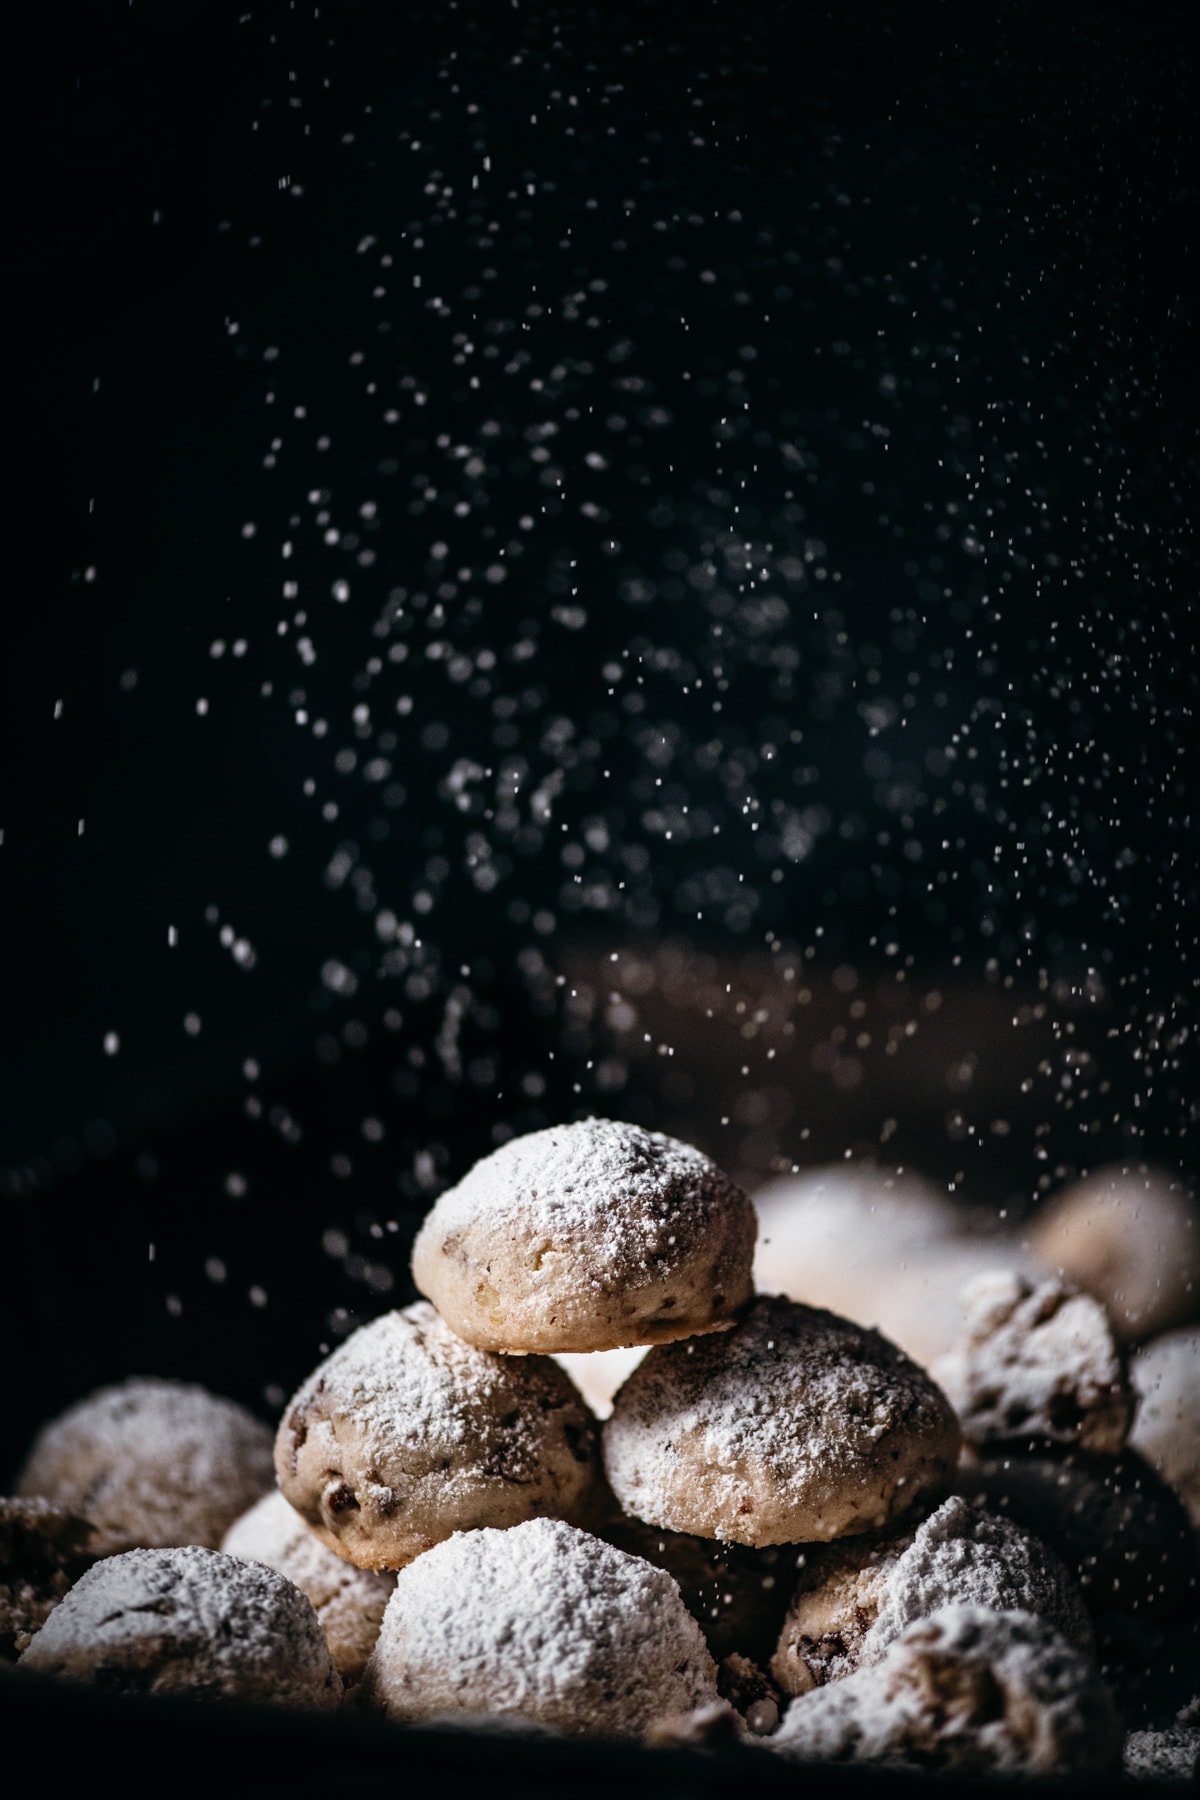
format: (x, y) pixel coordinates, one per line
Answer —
(587, 1237)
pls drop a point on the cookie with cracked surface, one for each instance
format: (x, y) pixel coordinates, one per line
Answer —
(407, 1434)
(795, 1426)
(968, 1690)
(1038, 1364)
(152, 1464)
(348, 1601)
(544, 1623)
(855, 1598)
(43, 1552)
(189, 1622)
(586, 1237)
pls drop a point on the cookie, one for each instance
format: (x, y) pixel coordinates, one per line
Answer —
(543, 1622)
(348, 1601)
(192, 1622)
(826, 1235)
(1039, 1363)
(1166, 1425)
(967, 1690)
(152, 1464)
(587, 1237)
(43, 1551)
(855, 1598)
(1122, 1532)
(1131, 1237)
(795, 1426)
(406, 1434)
(1169, 1754)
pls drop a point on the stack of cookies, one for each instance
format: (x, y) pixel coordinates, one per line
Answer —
(766, 1520)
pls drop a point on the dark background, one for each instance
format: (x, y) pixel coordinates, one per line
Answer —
(838, 360)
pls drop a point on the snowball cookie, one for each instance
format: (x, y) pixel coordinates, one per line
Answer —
(1039, 1363)
(794, 1427)
(1122, 1532)
(1166, 1425)
(969, 1690)
(1131, 1237)
(854, 1599)
(587, 1237)
(43, 1550)
(1170, 1754)
(823, 1232)
(406, 1434)
(543, 1622)
(349, 1602)
(189, 1621)
(152, 1463)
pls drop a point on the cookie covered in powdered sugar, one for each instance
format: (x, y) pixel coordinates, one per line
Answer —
(1166, 1425)
(795, 1426)
(348, 1601)
(545, 1623)
(1171, 1753)
(1038, 1364)
(1122, 1532)
(855, 1598)
(152, 1463)
(965, 1690)
(1131, 1237)
(587, 1237)
(192, 1622)
(43, 1552)
(407, 1434)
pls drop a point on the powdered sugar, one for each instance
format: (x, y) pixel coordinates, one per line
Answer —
(794, 1426)
(189, 1621)
(1039, 1363)
(621, 1198)
(542, 1621)
(152, 1463)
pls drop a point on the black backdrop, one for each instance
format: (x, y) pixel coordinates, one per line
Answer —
(839, 361)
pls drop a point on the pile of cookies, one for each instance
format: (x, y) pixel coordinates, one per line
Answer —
(776, 1537)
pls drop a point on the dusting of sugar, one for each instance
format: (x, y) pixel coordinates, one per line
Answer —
(797, 1400)
(545, 1622)
(623, 1199)
(189, 1620)
(1039, 1363)
(1172, 1754)
(152, 1463)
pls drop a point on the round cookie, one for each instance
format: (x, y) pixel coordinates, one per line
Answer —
(965, 1690)
(151, 1463)
(793, 1427)
(825, 1235)
(1039, 1364)
(545, 1623)
(406, 1434)
(587, 1237)
(855, 1599)
(1171, 1753)
(348, 1601)
(43, 1550)
(1131, 1237)
(1166, 1425)
(189, 1621)
(1121, 1531)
